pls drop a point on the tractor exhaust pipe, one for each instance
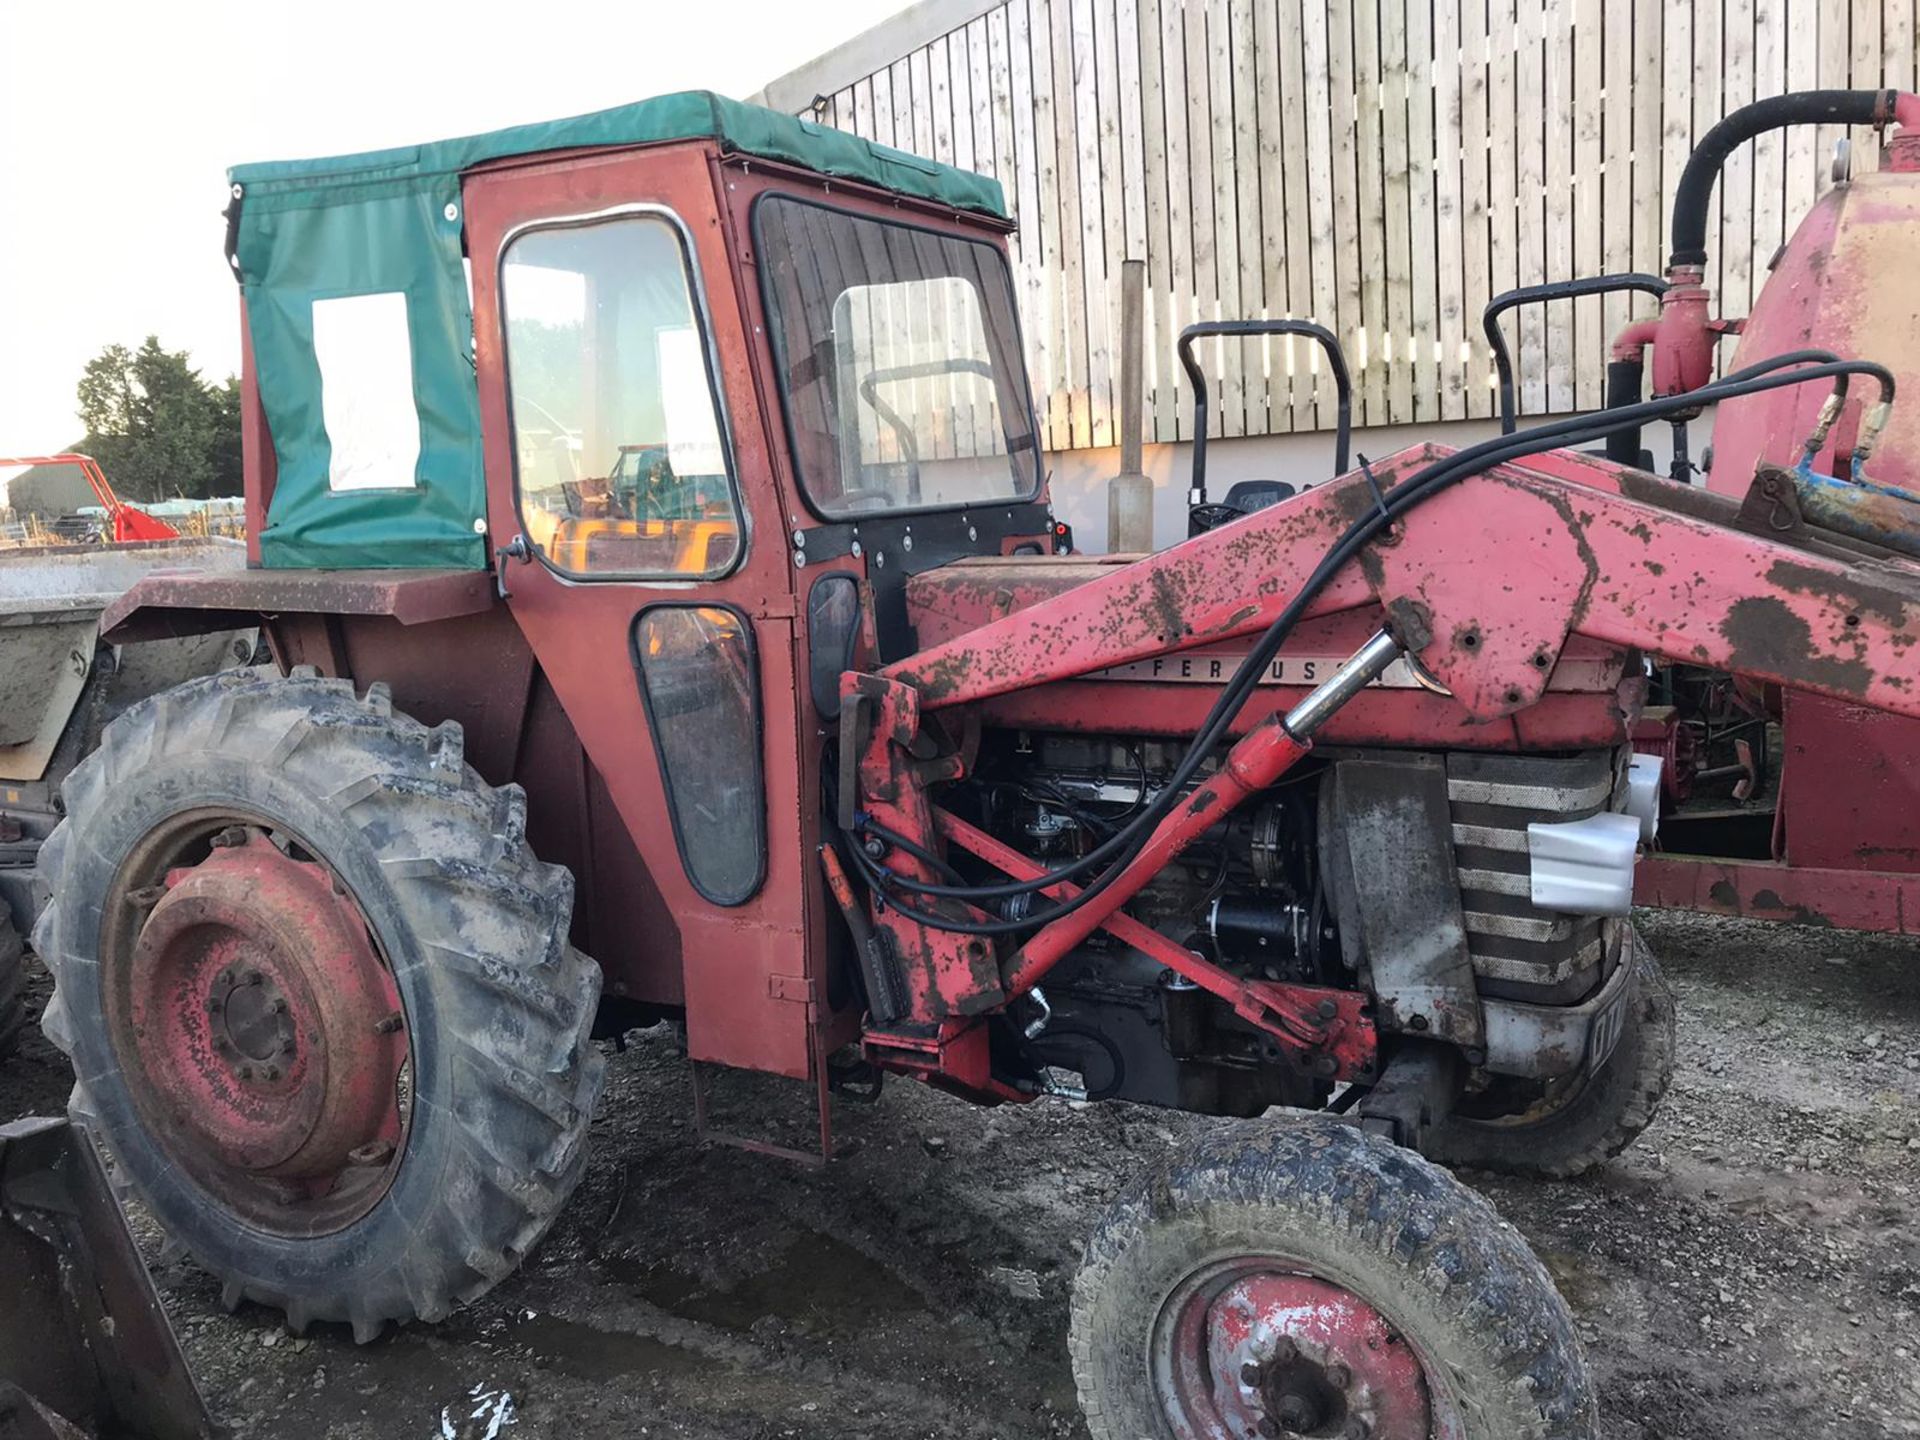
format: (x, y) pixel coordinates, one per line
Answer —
(84, 1346)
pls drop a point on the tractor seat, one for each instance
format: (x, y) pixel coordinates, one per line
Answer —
(1243, 498)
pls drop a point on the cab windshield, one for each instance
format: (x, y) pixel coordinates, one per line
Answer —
(899, 360)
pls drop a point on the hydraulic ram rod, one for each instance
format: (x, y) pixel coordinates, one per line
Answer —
(1258, 759)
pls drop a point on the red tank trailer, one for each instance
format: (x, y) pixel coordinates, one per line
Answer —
(683, 634)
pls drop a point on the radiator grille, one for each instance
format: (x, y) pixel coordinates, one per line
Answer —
(1517, 948)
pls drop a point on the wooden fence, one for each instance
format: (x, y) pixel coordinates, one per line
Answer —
(1383, 168)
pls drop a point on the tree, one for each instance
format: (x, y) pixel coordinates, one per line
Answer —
(157, 429)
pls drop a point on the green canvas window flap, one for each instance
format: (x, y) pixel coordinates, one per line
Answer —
(362, 332)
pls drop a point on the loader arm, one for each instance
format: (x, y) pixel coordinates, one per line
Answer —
(1489, 578)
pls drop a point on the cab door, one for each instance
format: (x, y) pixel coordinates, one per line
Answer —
(629, 487)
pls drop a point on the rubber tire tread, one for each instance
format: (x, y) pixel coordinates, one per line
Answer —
(1433, 1256)
(499, 1006)
(1604, 1118)
(13, 983)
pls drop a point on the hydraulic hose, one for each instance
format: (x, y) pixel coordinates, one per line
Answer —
(1473, 460)
(1807, 107)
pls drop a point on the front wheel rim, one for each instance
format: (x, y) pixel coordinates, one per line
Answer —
(1259, 1348)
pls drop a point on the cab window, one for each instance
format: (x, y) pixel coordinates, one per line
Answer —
(620, 463)
(899, 362)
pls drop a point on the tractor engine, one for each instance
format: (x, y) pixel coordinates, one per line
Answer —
(1273, 892)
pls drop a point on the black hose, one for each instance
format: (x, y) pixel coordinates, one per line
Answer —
(1808, 107)
(1473, 460)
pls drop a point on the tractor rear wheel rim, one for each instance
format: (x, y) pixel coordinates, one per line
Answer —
(1259, 1348)
(258, 1023)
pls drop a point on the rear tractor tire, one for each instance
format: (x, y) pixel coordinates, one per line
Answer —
(319, 996)
(1569, 1126)
(1312, 1280)
(13, 983)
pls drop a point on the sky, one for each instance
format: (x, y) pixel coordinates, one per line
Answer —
(118, 121)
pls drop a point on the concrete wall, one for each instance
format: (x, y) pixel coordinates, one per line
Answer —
(1079, 477)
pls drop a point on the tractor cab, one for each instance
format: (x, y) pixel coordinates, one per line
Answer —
(614, 440)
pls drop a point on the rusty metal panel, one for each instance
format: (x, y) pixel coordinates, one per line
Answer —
(1768, 890)
(1388, 846)
(81, 1330)
(1872, 820)
(166, 604)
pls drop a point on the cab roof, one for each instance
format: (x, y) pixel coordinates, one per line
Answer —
(737, 128)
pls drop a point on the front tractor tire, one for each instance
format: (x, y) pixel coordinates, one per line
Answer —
(319, 997)
(1312, 1280)
(1567, 1127)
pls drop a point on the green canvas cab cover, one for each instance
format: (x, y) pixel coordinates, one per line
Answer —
(362, 331)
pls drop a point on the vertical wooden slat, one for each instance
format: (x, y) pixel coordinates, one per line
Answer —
(1075, 361)
(1834, 65)
(1183, 297)
(1618, 162)
(1644, 216)
(1897, 44)
(1677, 116)
(1559, 119)
(1589, 180)
(1736, 177)
(1000, 103)
(882, 83)
(1423, 320)
(1503, 159)
(1868, 66)
(1476, 239)
(1329, 157)
(1048, 317)
(863, 108)
(1709, 105)
(1122, 214)
(1231, 409)
(1296, 245)
(1370, 190)
(1803, 141)
(1769, 150)
(1397, 217)
(1271, 91)
(1203, 197)
(1161, 372)
(901, 89)
(1244, 139)
(1099, 158)
(1530, 323)
(1450, 81)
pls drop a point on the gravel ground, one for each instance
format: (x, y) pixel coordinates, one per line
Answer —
(1751, 1268)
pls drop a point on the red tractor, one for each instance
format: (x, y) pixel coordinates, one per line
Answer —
(652, 539)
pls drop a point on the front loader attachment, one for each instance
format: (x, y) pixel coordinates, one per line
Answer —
(85, 1348)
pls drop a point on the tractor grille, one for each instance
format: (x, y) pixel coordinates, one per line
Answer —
(1519, 951)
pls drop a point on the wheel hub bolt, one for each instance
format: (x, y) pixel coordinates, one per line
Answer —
(1339, 1376)
(1284, 1350)
(1250, 1374)
(1267, 1429)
